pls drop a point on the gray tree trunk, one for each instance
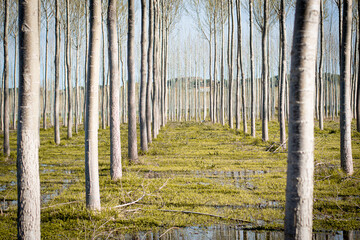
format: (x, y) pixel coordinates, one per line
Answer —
(321, 89)
(300, 170)
(68, 67)
(230, 61)
(28, 179)
(222, 95)
(6, 114)
(144, 62)
(92, 112)
(57, 75)
(46, 70)
(265, 132)
(358, 82)
(240, 71)
(14, 82)
(150, 73)
(253, 130)
(345, 75)
(283, 75)
(115, 141)
(132, 136)
(103, 98)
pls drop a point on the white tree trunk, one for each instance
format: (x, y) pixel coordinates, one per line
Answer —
(115, 141)
(300, 170)
(57, 75)
(345, 75)
(92, 112)
(132, 136)
(28, 179)
(6, 113)
(143, 131)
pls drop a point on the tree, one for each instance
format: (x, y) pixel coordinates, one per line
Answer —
(321, 91)
(358, 82)
(115, 141)
(150, 73)
(6, 112)
(345, 81)
(92, 106)
(282, 75)
(28, 143)
(300, 170)
(144, 59)
(253, 130)
(57, 74)
(68, 67)
(132, 139)
(265, 132)
(240, 72)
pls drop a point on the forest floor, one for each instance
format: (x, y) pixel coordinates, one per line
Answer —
(195, 174)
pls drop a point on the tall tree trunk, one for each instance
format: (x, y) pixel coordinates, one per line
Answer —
(132, 138)
(265, 133)
(321, 90)
(103, 101)
(210, 79)
(115, 141)
(222, 111)
(282, 75)
(28, 179)
(68, 67)
(143, 131)
(57, 75)
(345, 78)
(46, 70)
(92, 112)
(300, 170)
(214, 112)
(150, 73)
(253, 130)
(86, 57)
(240, 71)
(358, 82)
(14, 82)
(230, 61)
(6, 114)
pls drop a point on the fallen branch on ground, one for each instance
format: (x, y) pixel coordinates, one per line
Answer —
(139, 199)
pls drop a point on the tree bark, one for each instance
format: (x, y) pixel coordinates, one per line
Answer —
(57, 75)
(132, 136)
(253, 130)
(321, 84)
(230, 62)
(46, 70)
(144, 60)
(15, 71)
(92, 112)
(150, 73)
(115, 141)
(265, 133)
(68, 67)
(345, 91)
(6, 113)
(300, 170)
(28, 179)
(282, 75)
(358, 82)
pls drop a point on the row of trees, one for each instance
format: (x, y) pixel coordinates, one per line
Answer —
(154, 95)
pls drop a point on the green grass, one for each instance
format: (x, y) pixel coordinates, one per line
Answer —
(198, 167)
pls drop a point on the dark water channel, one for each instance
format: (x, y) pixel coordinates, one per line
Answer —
(226, 232)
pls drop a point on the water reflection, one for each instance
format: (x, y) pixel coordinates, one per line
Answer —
(224, 232)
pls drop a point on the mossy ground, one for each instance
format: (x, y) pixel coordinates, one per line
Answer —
(198, 167)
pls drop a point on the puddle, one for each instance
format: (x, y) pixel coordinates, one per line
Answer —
(240, 179)
(2, 188)
(222, 232)
(263, 204)
(45, 198)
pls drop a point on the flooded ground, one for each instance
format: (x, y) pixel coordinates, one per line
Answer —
(198, 181)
